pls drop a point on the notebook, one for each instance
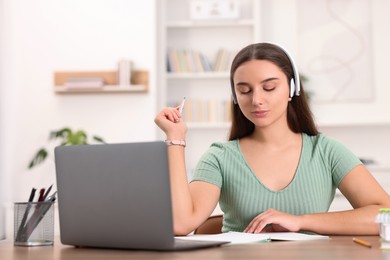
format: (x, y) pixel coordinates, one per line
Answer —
(117, 196)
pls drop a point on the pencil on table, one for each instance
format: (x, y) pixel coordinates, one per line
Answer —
(361, 242)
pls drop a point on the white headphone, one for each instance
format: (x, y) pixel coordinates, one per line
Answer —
(295, 85)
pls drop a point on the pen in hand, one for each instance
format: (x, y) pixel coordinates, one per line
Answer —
(182, 105)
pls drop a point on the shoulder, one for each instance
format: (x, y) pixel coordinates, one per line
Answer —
(221, 151)
(324, 143)
(223, 147)
(332, 152)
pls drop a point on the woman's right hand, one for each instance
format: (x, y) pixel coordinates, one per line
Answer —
(170, 121)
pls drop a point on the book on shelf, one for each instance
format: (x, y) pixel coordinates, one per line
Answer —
(206, 110)
(192, 61)
(187, 60)
(84, 83)
(223, 60)
(199, 67)
(205, 62)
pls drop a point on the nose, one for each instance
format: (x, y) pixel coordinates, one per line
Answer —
(257, 97)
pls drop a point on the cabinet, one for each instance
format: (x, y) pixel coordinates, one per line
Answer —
(207, 90)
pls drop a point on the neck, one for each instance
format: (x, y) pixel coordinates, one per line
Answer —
(275, 135)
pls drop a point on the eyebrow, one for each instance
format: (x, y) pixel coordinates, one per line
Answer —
(262, 82)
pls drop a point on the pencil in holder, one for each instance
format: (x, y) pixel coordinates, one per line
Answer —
(34, 223)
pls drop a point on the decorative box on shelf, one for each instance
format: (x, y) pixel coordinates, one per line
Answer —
(214, 9)
(99, 82)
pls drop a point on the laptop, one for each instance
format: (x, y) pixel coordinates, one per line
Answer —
(117, 196)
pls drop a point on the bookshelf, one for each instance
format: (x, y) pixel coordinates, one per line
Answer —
(139, 82)
(206, 88)
(180, 33)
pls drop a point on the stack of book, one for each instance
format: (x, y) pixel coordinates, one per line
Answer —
(383, 219)
(83, 83)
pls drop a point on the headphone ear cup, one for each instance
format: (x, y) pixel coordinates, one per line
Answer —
(292, 88)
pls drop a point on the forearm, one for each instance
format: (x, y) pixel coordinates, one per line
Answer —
(360, 221)
(182, 204)
(190, 207)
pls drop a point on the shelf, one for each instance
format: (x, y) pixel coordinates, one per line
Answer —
(198, 75)
(208, 125)
(188, 52)
(139, 82)
(219, 23)
(104, 89)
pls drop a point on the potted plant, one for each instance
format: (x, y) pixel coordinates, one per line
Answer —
(66, 137)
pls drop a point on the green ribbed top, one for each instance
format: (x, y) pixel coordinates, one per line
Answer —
(323, 164)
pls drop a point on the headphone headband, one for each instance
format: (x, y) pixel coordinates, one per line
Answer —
(297, 89)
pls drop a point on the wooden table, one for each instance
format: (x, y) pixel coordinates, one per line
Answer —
(338, 247)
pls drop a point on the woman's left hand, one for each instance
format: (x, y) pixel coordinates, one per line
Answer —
(273, 220)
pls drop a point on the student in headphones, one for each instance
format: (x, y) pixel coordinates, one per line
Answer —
(276, 172)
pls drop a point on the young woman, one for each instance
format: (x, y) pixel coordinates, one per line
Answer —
(276, 172)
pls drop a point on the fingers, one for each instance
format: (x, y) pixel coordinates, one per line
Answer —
(169, 120)
(273, 220)
(258, 223)
(169, 113)
(262, 222)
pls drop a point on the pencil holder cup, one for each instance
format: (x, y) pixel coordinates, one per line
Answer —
(33, 223)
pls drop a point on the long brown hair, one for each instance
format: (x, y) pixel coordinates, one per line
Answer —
(299, 115)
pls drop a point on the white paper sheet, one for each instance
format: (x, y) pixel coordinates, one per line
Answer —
(240, 238)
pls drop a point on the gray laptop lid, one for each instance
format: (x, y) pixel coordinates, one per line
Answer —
(117, 196)
(114, 195)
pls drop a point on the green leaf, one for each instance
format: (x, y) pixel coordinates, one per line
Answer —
(39, 157)
(80, 137)
(63, 133)
(66, 137)
(98, 139)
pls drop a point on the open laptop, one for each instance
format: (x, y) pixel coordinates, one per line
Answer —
(117, 196)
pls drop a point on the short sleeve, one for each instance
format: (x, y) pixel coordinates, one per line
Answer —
(208, 168)
(340, 159)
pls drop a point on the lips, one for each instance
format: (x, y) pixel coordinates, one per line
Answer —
(260, 113)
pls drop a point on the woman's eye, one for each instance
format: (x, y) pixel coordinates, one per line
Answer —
(269, 87)
(245, 91)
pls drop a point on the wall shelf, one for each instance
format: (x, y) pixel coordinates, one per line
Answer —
(139, 82)
(198, 75)
(195, 24)
(104, 89)
(209, 125)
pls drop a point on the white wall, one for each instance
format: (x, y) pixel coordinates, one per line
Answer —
(2, 213)
(40, 37)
